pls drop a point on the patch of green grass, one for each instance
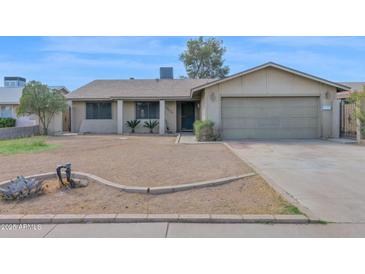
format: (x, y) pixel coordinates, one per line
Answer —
(290, 209)
(26, 145)
(322, 222)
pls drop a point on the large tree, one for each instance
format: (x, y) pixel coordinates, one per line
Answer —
(38, 99)
(204, 58)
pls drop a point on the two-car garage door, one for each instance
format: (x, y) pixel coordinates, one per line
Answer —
(270, 117)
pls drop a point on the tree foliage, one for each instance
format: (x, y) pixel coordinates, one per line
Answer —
(38, 99)
(358, 98)
(204, 58)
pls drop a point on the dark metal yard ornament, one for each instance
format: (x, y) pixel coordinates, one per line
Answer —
(67, 168)
(73, 183)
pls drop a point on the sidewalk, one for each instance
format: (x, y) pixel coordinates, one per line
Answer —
(162, 230)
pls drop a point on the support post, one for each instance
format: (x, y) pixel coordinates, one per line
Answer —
(336, 115)
(162, 117)
(120, 116)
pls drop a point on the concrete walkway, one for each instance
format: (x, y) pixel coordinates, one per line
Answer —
(187, 138)
(327, 178)
(174, 230)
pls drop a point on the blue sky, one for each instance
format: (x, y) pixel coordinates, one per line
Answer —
(75, 61)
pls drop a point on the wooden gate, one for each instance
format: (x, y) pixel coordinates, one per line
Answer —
(66, 121)
(347, 120)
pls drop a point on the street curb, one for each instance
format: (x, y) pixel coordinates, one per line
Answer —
(146, 218)
(143, 189)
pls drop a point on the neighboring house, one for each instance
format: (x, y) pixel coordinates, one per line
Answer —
(9, 101)
(355, 87)
(10, 96)
(268, 101)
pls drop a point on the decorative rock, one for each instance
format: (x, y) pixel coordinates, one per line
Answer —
(81, 182)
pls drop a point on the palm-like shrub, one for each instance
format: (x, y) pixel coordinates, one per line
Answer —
(151, 124)
(132, 124)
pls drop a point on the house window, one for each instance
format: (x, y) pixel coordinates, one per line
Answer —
(147, 110)
(99, 110)
(6, 112)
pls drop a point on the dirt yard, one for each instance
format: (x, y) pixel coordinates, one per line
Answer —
(132, 160)
(247, 196)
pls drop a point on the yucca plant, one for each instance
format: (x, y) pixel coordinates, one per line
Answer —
(132, 124)
(151, 124)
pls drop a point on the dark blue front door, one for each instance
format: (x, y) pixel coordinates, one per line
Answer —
(187, 115)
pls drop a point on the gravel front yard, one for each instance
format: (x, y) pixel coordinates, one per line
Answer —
(247, 196)
(142, 161)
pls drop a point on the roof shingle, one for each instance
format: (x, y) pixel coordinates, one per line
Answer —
(155, 88)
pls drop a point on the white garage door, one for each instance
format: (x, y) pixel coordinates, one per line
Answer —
(270, 118)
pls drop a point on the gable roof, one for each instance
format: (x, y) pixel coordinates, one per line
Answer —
(274, 65)
(131, 89)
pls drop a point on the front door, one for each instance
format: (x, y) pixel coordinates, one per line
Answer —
(187, 115)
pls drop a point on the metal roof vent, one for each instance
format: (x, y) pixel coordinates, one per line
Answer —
(166, 73)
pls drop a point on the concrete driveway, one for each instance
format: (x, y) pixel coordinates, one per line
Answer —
(325, 177)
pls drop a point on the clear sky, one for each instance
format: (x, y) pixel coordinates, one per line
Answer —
(75, 61)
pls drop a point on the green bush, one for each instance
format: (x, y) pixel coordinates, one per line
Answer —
(151, 124)
(7, 122)
(132, 124)
(204, 131)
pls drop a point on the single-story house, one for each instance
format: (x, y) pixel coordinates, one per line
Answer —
(10, 96)
(267, 101)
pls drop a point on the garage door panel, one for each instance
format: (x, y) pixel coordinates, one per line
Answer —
(272, 101)
(273, 133)
(273, 122)
(269, 112)
(272, 117)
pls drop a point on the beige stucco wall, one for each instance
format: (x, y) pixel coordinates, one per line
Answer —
(56, 124)
(269, 82)
(78, 113)
(80, 124)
